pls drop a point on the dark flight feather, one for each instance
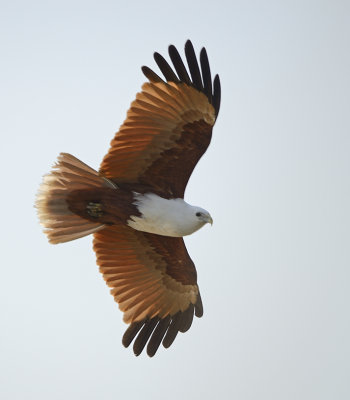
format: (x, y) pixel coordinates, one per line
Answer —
(158, 335)
(167, 71)
(144, 335)
(179, 65)
(206, 75)
(193, 66)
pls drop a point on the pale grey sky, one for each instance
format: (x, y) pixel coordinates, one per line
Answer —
(274, 268)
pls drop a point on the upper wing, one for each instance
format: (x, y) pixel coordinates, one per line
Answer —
(168, 127)
(154, 281)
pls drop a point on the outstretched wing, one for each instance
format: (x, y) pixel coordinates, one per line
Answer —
(154, 281)
(168, 127)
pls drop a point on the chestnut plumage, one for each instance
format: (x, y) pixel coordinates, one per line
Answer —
(134, 204)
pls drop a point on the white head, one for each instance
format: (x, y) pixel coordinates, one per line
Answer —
(188, 218)
(202, 216)
(191, 218)
(173, 217)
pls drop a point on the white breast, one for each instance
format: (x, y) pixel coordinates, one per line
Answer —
(173, 217)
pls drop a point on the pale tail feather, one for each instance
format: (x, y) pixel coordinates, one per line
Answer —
(68, 174)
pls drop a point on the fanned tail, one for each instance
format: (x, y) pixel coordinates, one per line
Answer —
(67, 175)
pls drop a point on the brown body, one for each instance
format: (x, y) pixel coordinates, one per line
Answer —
(104, 205)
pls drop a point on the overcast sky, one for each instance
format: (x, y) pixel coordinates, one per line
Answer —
(274, 268)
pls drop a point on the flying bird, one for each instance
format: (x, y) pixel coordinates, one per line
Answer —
(134, 205)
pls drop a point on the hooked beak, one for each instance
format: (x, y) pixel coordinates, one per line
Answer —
(209, 220)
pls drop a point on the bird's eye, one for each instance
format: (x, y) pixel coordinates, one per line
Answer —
(198, 214)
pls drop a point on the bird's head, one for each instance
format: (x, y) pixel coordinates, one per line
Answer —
(203, 216)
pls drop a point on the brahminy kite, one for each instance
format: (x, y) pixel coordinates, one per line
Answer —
(134, 205)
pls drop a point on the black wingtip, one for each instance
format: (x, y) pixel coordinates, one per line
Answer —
(163, 65)
(157, 336)
(198, 76)
(217, 94)
(179, 65)
(198, 307)
(207, 83)
(186, 320)
(151, 75)
(193, 66)
(154, 331)
(172, 331)
(144, 335)
(188, 43)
